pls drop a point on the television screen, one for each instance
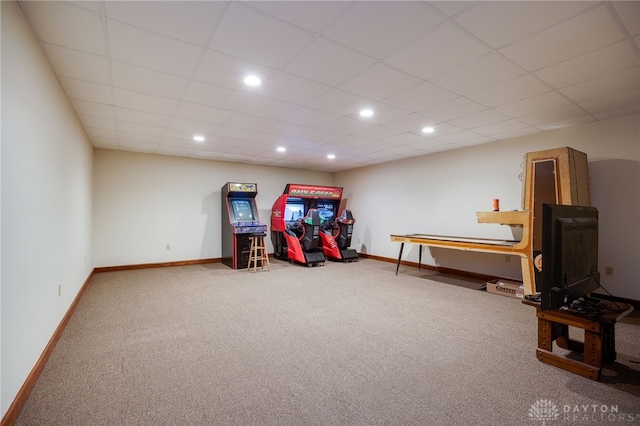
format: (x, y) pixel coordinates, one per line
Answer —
(293, 211)
(569, 254)
(326, 212)
(242, 210)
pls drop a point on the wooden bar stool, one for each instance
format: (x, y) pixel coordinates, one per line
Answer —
(258, 252)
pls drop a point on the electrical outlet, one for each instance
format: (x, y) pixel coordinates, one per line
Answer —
(59, 290)
(168, 246)
(608, 270)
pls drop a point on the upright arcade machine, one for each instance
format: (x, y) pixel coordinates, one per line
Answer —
(239, 222)
(305, 228)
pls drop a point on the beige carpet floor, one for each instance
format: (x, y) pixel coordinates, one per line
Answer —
(341, 344)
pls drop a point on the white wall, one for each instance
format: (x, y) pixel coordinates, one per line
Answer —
(440, 193)
(144, 202)
(46, 202)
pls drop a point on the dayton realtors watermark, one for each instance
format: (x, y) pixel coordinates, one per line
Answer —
(547, 411)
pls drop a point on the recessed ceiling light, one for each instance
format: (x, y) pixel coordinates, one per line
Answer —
(281, 149)
(428, 130)
(252, 80)
(331, 156)
(198, 138)
(366, 113)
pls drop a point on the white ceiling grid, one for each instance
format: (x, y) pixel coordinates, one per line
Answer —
(148, 76)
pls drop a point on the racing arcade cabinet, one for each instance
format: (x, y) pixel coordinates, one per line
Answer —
(336, 238)
(239, 222)
(305, 209)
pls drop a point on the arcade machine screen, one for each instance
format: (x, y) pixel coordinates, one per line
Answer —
(326, 212)
(293, 211)
(242, 211)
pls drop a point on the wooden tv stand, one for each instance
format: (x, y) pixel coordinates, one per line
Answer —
(599, 344)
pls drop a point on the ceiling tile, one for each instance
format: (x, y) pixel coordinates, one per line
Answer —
(615, 101)
(381, 113)
(193, 127)
(271, 138)
(150, 50)
(534, 104)
(501, 127)
(318, 62)
(558, 115)
(347, 125)
(247, 121)
(98, 123)
(499, 23)
(351, 141)
(592, 65)
(460, 137)
(93, 109)
(485, 71)
(410, 122)
(214, 96)
(377, 132)
(66, 25)
(142, 102)
(202, 113)
(252, 35)
(443, 49)
(267, 108)
(235, 132)
(141, 129)
(455, 108)
(131, 77)
(86, 90)
(311, 15)
(400, 139)
(628, 12)
(419, 97)
(604, 86)
(478, 119)
(510, 91)
(148, 75)
(615, 113)
(191, 21)
(587, 32)
(140, 117)
(339, 103)
(452, 8)
(291, 88)
(76, 64)
(381, 28)
(229, 71)
(310, 117)
(379, 82)
(322, 135)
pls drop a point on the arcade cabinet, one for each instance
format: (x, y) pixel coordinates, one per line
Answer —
(304, 226)
(240, 221)
(336, 238)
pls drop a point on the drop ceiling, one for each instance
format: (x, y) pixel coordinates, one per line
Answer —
(149, 76)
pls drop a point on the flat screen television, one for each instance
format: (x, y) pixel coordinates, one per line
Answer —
(293, 211)
(569, 254)
(326, 212)
(242, 210)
